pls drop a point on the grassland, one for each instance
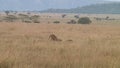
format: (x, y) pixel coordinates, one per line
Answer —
(26, 45)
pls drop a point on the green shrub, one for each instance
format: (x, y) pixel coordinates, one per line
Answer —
(56, 22)
(84, 20)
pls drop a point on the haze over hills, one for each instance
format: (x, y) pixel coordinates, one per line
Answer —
(104, 8)
(25, 5)
(38, 5)
(62, 6)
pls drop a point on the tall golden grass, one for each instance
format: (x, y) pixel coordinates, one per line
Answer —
(27, 46)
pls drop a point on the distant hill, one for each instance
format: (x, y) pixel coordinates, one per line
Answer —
(106, 8)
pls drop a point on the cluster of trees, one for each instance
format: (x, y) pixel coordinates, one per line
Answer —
(106, 18)
(83, 20)
(35, 18)
(20, 17)
(75, 16)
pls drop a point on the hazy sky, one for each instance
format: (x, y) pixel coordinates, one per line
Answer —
(45, 4)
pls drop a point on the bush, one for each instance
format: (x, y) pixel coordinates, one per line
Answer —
(26, 21)
(76, 16)
(63, 16)
(36, 21)
(107, 18)
(56, 22)
(23, 16)
(84, 20)
(34, 17)
(10, 18)
(72, 22)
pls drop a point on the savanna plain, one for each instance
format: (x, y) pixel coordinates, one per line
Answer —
(27, 45)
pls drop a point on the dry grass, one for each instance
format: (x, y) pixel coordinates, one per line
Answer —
(27, 46)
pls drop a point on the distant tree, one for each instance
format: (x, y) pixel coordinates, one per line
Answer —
(36, 21)
(107, 18)
(23, 15)
(56, 22)
(76, 16)
(72, 22)
(7, 12)
(63, 16)
(28, 13)
(84, 20)
(27, 21)
(34, 17)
